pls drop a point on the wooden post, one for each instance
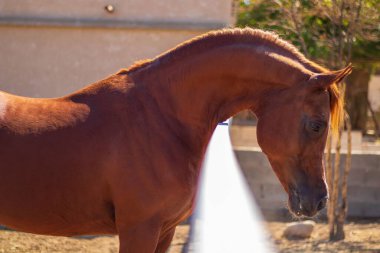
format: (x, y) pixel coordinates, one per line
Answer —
(344, 204)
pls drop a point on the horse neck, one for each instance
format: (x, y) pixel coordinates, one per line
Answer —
(197, 92)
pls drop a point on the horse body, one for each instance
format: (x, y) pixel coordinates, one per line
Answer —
(124, 154)
(51, 137)
(59, 158)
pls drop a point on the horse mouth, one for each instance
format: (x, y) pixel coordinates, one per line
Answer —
(294, 203)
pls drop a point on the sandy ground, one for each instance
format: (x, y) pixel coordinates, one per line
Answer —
(361, 237)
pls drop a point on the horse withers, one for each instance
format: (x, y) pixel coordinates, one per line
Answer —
(123, 155)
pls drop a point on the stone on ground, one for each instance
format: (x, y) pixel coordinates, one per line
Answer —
(299, 230)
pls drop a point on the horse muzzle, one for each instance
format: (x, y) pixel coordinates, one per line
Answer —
(302, 203)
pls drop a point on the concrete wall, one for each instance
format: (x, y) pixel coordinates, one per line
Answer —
(51, 48)
(363, 184)
(185, 11)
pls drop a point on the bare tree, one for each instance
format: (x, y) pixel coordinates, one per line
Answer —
(345, 17)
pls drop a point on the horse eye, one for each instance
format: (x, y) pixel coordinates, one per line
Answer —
(316, 126)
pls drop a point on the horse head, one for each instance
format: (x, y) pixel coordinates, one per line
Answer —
(293, 125)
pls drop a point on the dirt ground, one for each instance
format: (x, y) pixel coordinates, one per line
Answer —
(361, 237)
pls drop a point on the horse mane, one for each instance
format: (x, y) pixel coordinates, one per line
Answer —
(137, 65)
(268, 41)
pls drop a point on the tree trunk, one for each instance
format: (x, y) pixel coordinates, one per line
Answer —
(356, 98)
(375, 122)
(335, 188)
(329, 178)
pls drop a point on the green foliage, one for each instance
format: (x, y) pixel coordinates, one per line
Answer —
(320, 28)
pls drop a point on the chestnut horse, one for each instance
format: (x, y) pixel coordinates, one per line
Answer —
(123, 155)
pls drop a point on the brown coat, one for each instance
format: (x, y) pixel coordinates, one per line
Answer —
(123, 155)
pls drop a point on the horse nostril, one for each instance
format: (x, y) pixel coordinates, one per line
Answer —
(322, 203)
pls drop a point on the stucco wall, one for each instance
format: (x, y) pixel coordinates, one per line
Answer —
(51, 48)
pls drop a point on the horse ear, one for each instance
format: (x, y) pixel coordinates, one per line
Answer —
(324, 80)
